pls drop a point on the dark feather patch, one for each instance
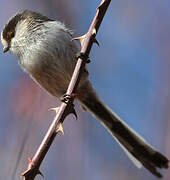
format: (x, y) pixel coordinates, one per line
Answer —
(9, 29)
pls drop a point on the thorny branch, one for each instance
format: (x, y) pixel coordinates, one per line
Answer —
(67, 107)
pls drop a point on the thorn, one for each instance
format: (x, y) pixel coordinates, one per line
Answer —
(95, 41)
(25, 173)
(60, 129)
(54, 109)
(94, 34)
(40, 173)
(74, 112)
(94, 31)
(80, 38)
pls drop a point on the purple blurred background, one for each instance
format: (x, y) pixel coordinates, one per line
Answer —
(130, 72)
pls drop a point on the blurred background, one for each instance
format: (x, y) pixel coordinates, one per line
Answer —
(130, 72)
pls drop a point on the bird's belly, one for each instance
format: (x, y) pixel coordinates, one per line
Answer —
(55, 76)
(50, 76)
(54, 82)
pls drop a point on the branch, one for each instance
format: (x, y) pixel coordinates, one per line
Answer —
(67, 106)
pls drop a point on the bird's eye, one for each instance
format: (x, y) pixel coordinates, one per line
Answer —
(10, 34)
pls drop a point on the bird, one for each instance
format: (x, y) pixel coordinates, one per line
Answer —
(46, 51)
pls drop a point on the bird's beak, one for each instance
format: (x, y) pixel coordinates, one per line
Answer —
(5, 49)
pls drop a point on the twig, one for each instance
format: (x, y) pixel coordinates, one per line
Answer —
(67, 106)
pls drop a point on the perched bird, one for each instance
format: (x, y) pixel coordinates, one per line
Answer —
(45, 50)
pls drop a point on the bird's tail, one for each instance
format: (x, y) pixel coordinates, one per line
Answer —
(138, 150)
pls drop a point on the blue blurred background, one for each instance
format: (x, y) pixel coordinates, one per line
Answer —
(130, 71)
